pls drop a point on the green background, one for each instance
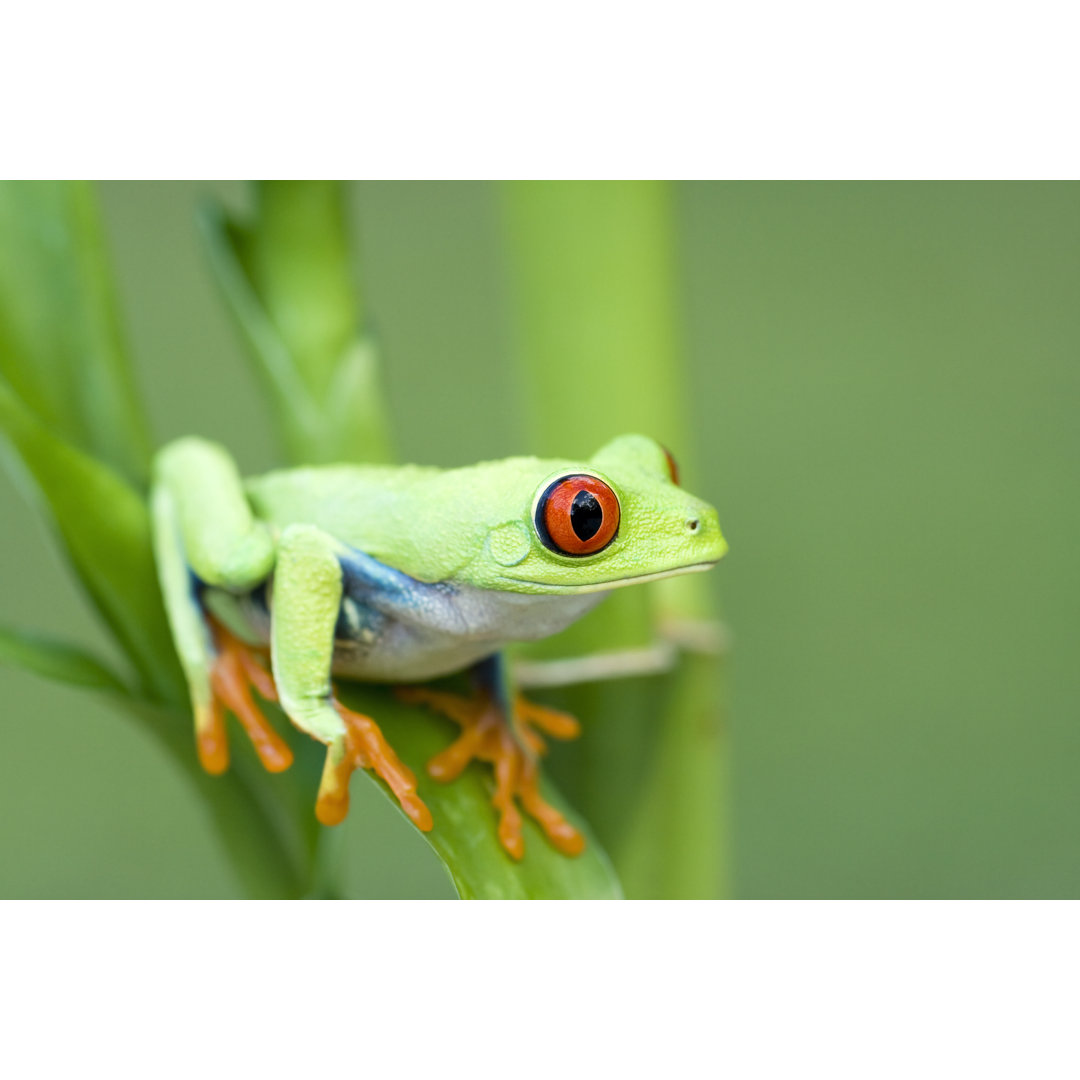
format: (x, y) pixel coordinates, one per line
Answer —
(885, 384)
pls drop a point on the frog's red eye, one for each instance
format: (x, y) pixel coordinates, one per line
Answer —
(672, 466)
(577, 515)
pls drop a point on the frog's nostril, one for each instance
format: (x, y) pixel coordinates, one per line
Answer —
(693, 524)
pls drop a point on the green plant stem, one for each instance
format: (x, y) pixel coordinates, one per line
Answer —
(287, 277)
(593, 268)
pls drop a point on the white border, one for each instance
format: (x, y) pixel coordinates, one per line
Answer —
(387, 989)
(583, 89)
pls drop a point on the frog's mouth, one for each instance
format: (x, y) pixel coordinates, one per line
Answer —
(615, 583)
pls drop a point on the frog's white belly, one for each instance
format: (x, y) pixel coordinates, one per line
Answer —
(453, 632)
(428, 630)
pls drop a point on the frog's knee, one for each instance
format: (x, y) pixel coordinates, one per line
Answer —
(188, 455)
(315, 715)
(298, 540)
(248, 561)
(223, 541)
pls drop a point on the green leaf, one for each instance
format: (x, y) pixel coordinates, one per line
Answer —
(61, 347)
(56, 660)
(104, 528)
(285, 276)
(257, 832)
(464, 835)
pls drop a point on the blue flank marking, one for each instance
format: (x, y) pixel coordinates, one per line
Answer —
(366, 579)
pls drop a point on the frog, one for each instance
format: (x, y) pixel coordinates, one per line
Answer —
(287, 583)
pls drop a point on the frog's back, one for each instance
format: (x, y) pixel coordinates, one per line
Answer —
(353, 503)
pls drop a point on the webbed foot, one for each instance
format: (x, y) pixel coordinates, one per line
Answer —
(365, 747)
(235, 672)
(512, 746)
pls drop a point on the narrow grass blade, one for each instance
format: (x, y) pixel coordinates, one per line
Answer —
(56, 660)
(61, 347)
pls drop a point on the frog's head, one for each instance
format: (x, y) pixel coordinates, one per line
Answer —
(618, 519)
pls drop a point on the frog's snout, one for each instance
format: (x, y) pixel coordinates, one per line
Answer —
(703, 529)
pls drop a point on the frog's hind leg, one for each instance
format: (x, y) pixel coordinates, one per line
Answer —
(365, 747)
(507, 731)
(204, 530)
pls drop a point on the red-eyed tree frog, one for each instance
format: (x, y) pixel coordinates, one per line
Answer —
(401, 575)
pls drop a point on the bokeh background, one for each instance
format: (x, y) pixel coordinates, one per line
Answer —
(886, 392)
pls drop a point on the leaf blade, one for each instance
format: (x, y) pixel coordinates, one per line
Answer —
(61, 346)
(104, 527)
(56, 660)
(464, 835)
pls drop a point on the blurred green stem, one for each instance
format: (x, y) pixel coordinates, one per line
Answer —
(287, 277)
(595, 296)
(298, 257)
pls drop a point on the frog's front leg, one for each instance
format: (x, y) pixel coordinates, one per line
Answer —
(501, 727)
(306, 601)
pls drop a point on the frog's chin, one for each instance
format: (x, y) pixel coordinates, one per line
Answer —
(605, 586)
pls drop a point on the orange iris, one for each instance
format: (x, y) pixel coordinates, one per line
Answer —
(580, 515)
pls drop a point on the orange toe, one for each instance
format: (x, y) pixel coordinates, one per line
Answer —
(234, 673)
(512, 746)
(210, 739)
(369, 749)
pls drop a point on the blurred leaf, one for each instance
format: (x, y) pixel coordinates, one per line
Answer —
(60, 341)
(251, 822)
(286, 278)
(105, 530)
(464, 835)
(56, 660)
(70, 416)
(251, 827)
(594, 292)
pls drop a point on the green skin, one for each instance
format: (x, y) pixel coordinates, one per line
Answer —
(429, 570)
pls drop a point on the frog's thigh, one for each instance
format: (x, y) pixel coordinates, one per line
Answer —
(304, 611)
(223, 541)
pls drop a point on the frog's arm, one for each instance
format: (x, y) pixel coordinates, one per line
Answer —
(305, 607)
(306, 602)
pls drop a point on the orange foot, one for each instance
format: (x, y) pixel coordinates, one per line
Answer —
(365, 747)
(234, 673)
(236, 670)
(487, 735)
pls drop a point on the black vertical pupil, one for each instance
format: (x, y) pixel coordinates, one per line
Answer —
(586, 515)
